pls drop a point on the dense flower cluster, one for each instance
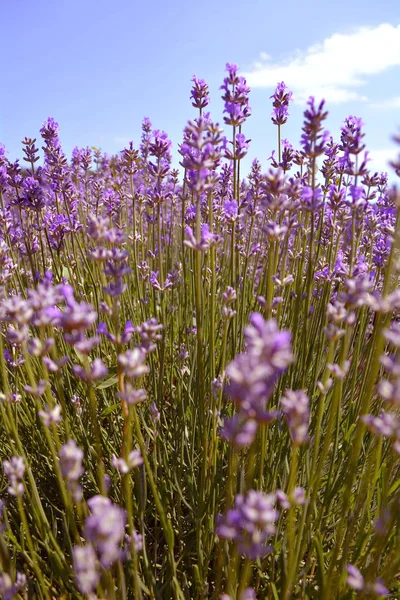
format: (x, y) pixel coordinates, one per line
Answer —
(176, 343)
(253, 375)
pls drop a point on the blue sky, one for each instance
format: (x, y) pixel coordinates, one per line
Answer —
(99, 67)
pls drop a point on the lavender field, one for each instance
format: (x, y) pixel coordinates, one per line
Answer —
(199, 367)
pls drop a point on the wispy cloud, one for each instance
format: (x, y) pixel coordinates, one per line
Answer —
(387, 104)
(336, 69)
(380, 158)
(121, 139)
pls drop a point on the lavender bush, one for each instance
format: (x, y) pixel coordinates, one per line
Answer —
(200, 372)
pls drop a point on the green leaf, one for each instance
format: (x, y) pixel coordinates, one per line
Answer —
(107, 383)
(110, 409)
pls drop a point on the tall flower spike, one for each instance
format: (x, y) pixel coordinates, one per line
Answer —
(254, 373)
(314, 138)
(235, 97)
(199, 93)
(282, 96)
(351, 136)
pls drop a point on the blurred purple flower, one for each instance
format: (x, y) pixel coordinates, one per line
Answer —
(250, 524)
(14, 469)
(105, 528)
(296, 408)
(86, 568)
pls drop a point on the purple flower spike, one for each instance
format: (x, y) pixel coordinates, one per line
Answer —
(96, 371)
(133, 363)
(206, 240)
(296, 407)
(86, 568)
(14, 469)
(71, 457)
(199, 93)
(314, 139)
(125, 466)
(354, 578)
(8, 589)
(239, 431)
(235, 96)
(254, 373)
(282, 96)
(352, 136)
(250, 524)
(105, 529)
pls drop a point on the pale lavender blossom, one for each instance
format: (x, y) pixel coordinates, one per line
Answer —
(254, 373)
(239, 430)
(150, 332)
(207, 238)
(133, 364)
(105, 528)
(8, 588)
(97, 370)
(125, 466)
(356, 581)
(51, 415)
(386, 424)
(71, 457)
(250, 524)
(354, 578)
(296, 408)
(86, 568)
(296, 498)
(14, 469)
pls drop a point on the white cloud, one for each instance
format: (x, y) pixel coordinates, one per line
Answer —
(380, 158)
(121, 139)
(334, 69)
(387, 104)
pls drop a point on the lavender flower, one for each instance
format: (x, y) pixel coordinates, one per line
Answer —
(281, 97)
(50, 416)
(356, 581)
(149, 333)
(253, 374)
(200, 154)
(14, 469)
(239, 430)
(86, 568)
(386, 424)
(250, 524)
(125, 466)
(97, 370)
(351, 136)
(71, 457)
(296, 408)
(76, 316)
(8, 589)
(105, 528)
(132, 363)
(199, 93)
(314, 138)
(354, 578)
(206, 240)
(235, 97)
(132, 395)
